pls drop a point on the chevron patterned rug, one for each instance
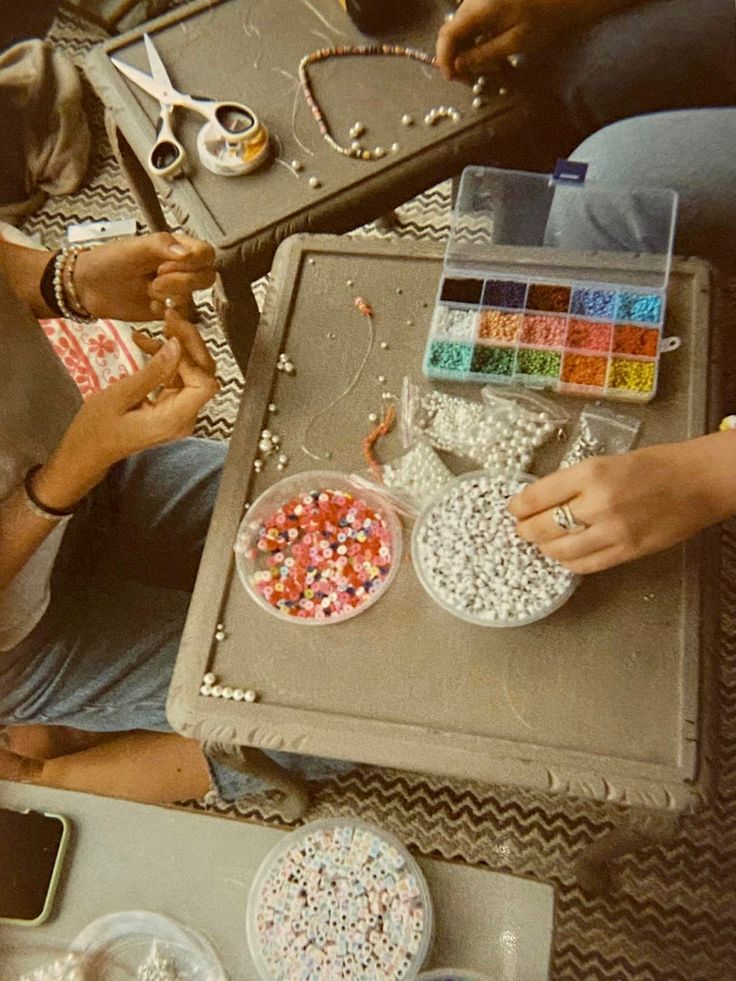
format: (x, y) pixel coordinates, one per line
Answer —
(671, 912)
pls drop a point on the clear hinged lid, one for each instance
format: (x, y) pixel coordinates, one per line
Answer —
(561, 227)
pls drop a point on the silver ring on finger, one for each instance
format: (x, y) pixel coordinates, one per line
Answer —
(564, 518)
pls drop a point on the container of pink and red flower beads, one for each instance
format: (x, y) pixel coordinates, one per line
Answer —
(555, 282)
(317, 548)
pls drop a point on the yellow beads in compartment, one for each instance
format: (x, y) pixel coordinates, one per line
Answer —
(633, 376)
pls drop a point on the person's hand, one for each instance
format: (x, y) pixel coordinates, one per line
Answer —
(633, 504)
(157, 404)
(485, 32)
(132, 279)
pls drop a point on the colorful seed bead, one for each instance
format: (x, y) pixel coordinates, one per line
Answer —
(504, 293)
(321, 555)
(340, 902)
(589, 335)
(538, 362)
(454, 324)
(461, 290)
(634, 376)
(593, 303)
(496, 325)
(629, 339)
(643, 308)
(492, 360)
(448, 356)
(556, 299)
(546, 331)
(577, 369)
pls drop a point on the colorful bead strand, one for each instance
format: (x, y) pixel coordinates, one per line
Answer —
(363, 50)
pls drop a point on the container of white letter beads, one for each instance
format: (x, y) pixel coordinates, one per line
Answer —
(339, 899)
(469, 558)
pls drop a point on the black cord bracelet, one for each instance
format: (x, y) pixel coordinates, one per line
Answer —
(38, 506)
(47, 287)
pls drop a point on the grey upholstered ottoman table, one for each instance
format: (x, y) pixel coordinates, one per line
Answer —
(607, 699)
(250, 52)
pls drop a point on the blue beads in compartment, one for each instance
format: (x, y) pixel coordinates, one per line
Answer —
(597, 303)
(641, 308)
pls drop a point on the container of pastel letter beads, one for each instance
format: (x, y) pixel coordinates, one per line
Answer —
(339, 899)
(317, 548)
(470, 560)
(554, 286)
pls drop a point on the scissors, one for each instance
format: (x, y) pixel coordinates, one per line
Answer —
(230, 122)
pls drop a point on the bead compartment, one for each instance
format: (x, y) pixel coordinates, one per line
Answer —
(568, 337)
(252, 561)
(370, 849)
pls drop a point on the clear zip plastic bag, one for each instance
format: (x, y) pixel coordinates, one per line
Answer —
(600, 431)
(499, 433)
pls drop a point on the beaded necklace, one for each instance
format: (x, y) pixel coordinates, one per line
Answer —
(395, 50)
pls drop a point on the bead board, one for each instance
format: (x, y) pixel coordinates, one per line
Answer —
(574, 337)
(599, 699)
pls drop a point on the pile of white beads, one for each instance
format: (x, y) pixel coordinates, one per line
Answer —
(419, 473)
(68, 968)
(339, 900)
(156, 967)
(498, 434)
(470, 559)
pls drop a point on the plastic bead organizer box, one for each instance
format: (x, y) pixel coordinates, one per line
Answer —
(554, 282)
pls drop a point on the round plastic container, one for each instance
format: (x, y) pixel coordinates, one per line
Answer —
(452, 974)
(251, 561)
(425, 516)
(122, 945)
(358, 864)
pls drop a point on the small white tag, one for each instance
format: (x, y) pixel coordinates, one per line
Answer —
(97, 231)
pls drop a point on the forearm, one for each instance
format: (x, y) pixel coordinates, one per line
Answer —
(59, 484)
(714, 470)
(23, 269)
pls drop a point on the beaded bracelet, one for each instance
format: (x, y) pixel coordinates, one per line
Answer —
(40, 509)
(47, 286)
(64, 290)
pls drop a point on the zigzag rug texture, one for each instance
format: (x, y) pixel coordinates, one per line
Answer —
(671, 910)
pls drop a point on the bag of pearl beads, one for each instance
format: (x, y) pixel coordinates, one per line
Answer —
(409, 480)
(600, 431)
(469, 558)
(500, 433)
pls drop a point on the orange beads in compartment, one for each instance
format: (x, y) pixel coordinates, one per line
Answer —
(579, 369)
(495, 325)
(629, 339)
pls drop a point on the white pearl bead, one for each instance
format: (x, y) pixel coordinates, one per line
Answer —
(250, 695)
(407, 120)
(315, 182)
(238, 694)
(372, 417)
(477, 102)
(209, 678)
(227, 692)
(220, 635)
(289, 368)
(297, 165)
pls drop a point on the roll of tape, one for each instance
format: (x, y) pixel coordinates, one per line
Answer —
(232, 159)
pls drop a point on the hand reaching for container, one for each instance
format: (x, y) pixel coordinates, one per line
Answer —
(631, 505)
(485, 32)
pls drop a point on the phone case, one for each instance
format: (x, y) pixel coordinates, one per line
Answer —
(55, 875)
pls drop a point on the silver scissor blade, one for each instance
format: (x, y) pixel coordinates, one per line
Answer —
(138, 78)
(158, 69)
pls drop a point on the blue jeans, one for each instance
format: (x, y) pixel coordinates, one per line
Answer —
(102, 656)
